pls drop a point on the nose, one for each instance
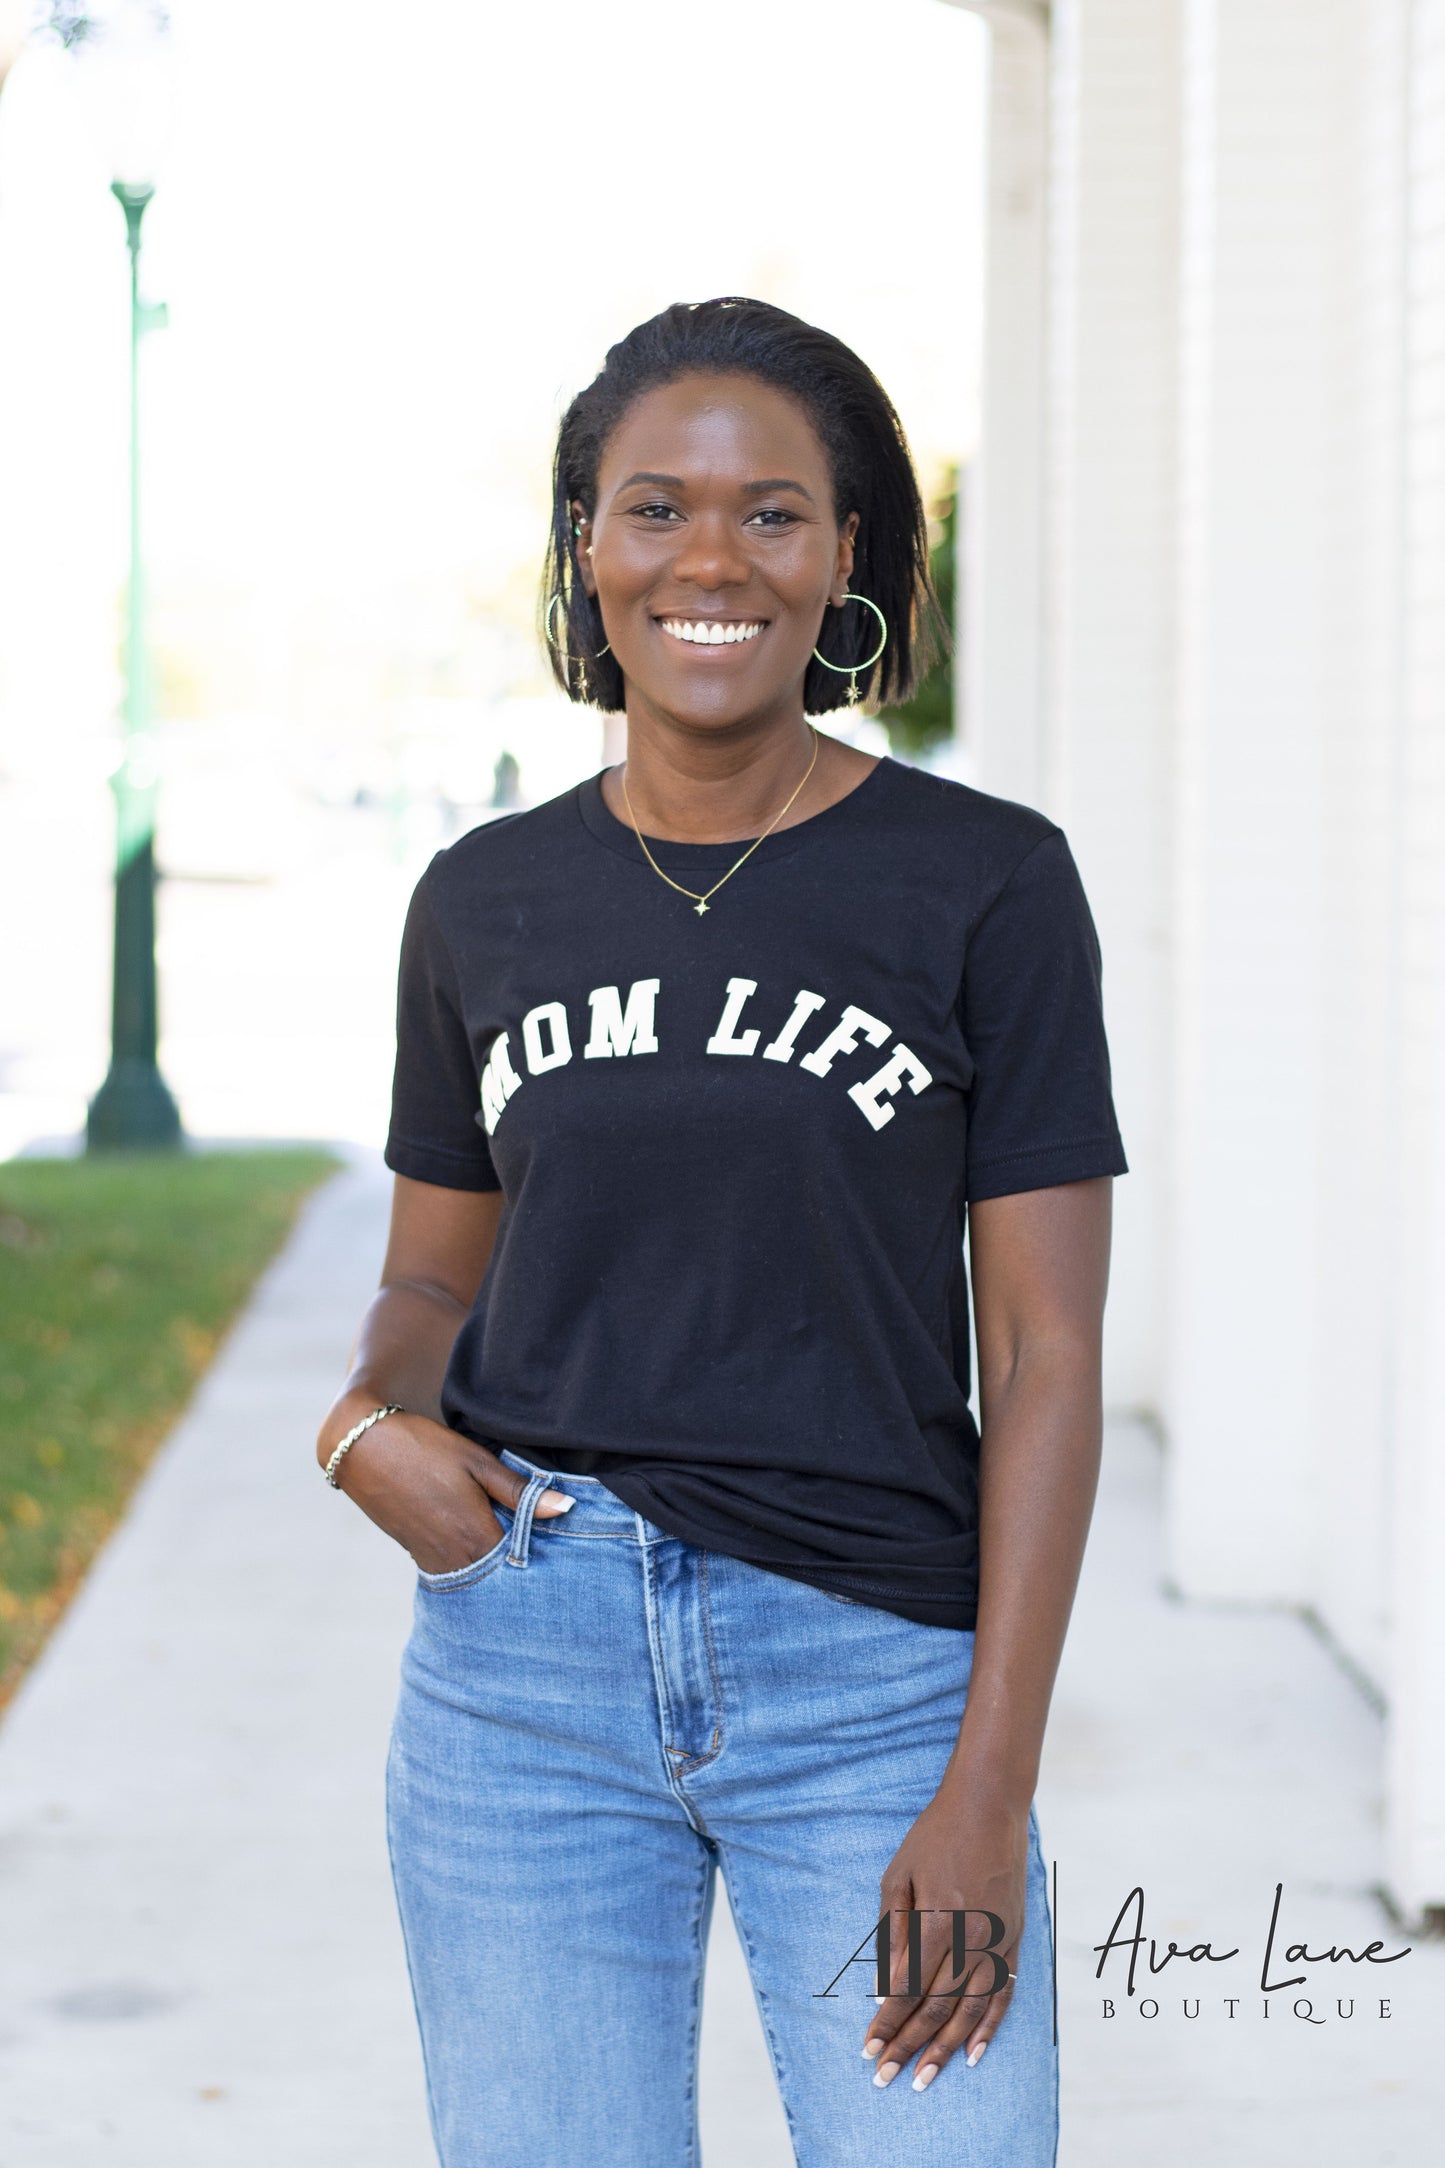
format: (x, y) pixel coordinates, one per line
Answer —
(711, 554)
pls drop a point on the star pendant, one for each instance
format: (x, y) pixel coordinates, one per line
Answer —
(700, 906)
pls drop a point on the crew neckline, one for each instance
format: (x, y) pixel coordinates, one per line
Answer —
(602, 822)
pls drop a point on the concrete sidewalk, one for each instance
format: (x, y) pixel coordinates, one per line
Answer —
(1207, 1753)
(200, 1964)
(200, 1961)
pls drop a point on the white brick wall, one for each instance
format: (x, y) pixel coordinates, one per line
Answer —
(1240, 719)
(1355, 1029)
(1003, 698)
(1416, 1795)
(1249, 961)
(1107, 770)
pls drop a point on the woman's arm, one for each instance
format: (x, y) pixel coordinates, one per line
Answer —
(438, 1248)
(1040, 1273)
(425, 1485)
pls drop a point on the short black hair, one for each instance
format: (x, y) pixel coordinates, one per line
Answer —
(872, 471)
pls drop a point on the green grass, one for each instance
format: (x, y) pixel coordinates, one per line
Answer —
(118, 1276)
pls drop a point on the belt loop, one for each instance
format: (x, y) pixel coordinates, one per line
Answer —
(522, 1524)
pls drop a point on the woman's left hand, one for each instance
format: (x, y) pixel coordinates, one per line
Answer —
(969, 1852)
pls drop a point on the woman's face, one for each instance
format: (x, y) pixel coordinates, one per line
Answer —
(715, 550)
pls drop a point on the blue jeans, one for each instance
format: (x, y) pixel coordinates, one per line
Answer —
(592, 1719)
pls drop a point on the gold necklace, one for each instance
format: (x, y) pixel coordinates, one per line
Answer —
(700, 902)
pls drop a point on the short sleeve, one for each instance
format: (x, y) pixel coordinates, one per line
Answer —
(435, 1096)
(1040, 1106)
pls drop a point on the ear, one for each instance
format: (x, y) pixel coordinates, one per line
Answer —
(843, 565)
(582, 536)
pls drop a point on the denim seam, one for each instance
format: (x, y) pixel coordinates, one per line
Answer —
(468, 1576)
(520, 1553)
(433, 2111)
(587, 1535)
(659, 1668)
(1053, 1965)
(694, 1762)
(696, 2026)
(760, 1995)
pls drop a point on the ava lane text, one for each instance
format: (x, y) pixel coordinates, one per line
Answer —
(1204, 1953)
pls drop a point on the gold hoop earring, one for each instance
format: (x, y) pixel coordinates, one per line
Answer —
(547, 629)
(850, 670)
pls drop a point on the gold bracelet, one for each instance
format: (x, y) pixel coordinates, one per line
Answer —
(350, 1439)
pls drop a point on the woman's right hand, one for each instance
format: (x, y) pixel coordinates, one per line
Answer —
(428, 1487)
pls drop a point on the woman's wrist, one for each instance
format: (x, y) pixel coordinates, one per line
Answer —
(992, 1776)
(351, 1405)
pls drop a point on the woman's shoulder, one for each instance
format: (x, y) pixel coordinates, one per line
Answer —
(959, 805)
(498, 847)
(985, 839)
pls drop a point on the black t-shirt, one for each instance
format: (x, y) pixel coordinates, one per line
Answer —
(736, 1150)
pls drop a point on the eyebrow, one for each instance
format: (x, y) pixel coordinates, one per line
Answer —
(764, 489)
(750, 489)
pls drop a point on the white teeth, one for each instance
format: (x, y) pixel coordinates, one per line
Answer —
(710, 632)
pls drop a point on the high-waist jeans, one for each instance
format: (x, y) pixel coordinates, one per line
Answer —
(593, 1718)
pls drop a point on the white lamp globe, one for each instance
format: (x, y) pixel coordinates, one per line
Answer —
(127, 69)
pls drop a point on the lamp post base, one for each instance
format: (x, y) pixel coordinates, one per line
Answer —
(133, 1110)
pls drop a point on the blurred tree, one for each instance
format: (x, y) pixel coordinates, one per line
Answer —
(506, 782)
(70, 23)
(925, 721)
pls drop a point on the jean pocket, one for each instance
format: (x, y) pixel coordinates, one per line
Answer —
(463, 1576)
(833, 1597)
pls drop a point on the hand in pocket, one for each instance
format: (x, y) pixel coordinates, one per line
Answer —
(431, 1489)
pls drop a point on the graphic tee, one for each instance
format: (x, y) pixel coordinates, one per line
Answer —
(736, 1151)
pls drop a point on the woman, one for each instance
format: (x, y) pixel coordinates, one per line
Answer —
(699, 1066)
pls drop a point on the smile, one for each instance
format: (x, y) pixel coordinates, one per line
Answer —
(713, 631)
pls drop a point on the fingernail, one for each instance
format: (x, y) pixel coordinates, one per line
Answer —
(880, 1998)
(557, 1498)
(977, 2053)
(887, 2074)
(872, 2047)
(926, 2077)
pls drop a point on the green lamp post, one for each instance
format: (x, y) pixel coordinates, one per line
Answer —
(134, 1108)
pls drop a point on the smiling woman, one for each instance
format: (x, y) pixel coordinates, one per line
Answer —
(674, 1316)
(793, 437)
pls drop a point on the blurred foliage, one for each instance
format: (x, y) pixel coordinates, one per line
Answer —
(919, 724)
(179, 682)
(72, 25)
(118, 1276)
(507, 782)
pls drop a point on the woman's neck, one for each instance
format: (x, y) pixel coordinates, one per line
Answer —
(698, 788)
